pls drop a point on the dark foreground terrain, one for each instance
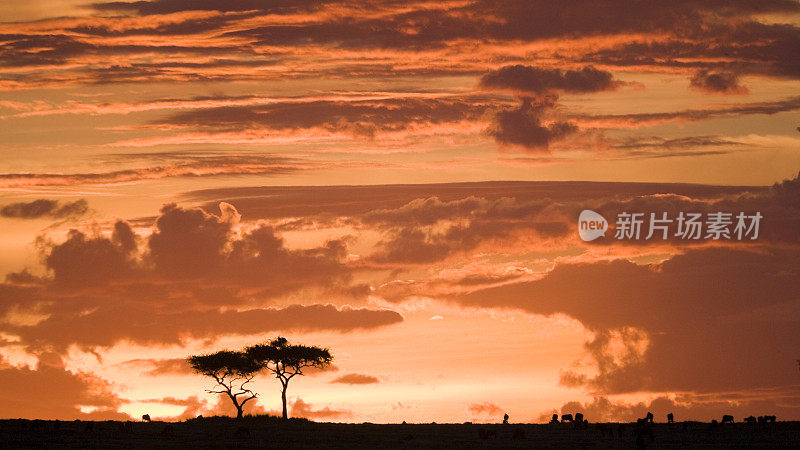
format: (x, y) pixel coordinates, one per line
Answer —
(268, 432)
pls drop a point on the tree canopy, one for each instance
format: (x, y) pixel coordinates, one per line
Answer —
(286, 361)
(232, 371)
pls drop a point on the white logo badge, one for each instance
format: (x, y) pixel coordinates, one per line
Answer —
(591, 225)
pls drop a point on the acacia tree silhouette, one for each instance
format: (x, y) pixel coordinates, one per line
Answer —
(232, 371)
(285, 361)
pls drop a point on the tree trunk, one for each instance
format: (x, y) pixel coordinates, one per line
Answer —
(239, 411)
(283, 399)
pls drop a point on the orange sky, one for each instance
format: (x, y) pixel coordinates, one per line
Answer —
(398, 182)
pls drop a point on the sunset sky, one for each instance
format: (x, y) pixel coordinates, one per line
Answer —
(400, 182)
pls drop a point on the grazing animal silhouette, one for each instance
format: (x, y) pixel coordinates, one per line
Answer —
(750, 419)
(579, 417)
(505, 419)
(146, 418)
(649, 417)
(761, 419)
(566, 418)
(554, 419)
(670, 418)
(727, 418)
(770, 419)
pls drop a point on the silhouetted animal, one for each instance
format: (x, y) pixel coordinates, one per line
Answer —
(770, 419)
(146, 418)
(761, 419)
(727, 418)
(649, 417)
(579, 417)
(566, 418)
(670, 418)
(750, 419)
(714, 424)
(554, 419)
(505, 419)
(519, 433)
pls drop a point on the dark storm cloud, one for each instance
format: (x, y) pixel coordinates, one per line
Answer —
(535, 81)
(357, 117)
(712, 305)
(717, 83)
(539, 89)
(170, 286)
(45, 208)
(164, 165)
(687, 35)
(524, 127)
(52, 392)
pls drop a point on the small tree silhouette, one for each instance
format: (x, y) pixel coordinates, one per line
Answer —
(285, 361)
(232, 371)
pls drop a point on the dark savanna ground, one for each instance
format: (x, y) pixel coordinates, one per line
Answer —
(268, 432)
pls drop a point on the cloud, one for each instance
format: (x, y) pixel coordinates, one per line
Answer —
(538, 89)
(45, 208)
(360, 118)
(188, 166)
(251, 40)
(156, 367)
(486, 408)
(536, 81)
(52, 392)
(717, 83)
(355, 378)
(300, 408)
(636, 120)
(524, 127)
(197, 275)
(710, 305)
(782, 403)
